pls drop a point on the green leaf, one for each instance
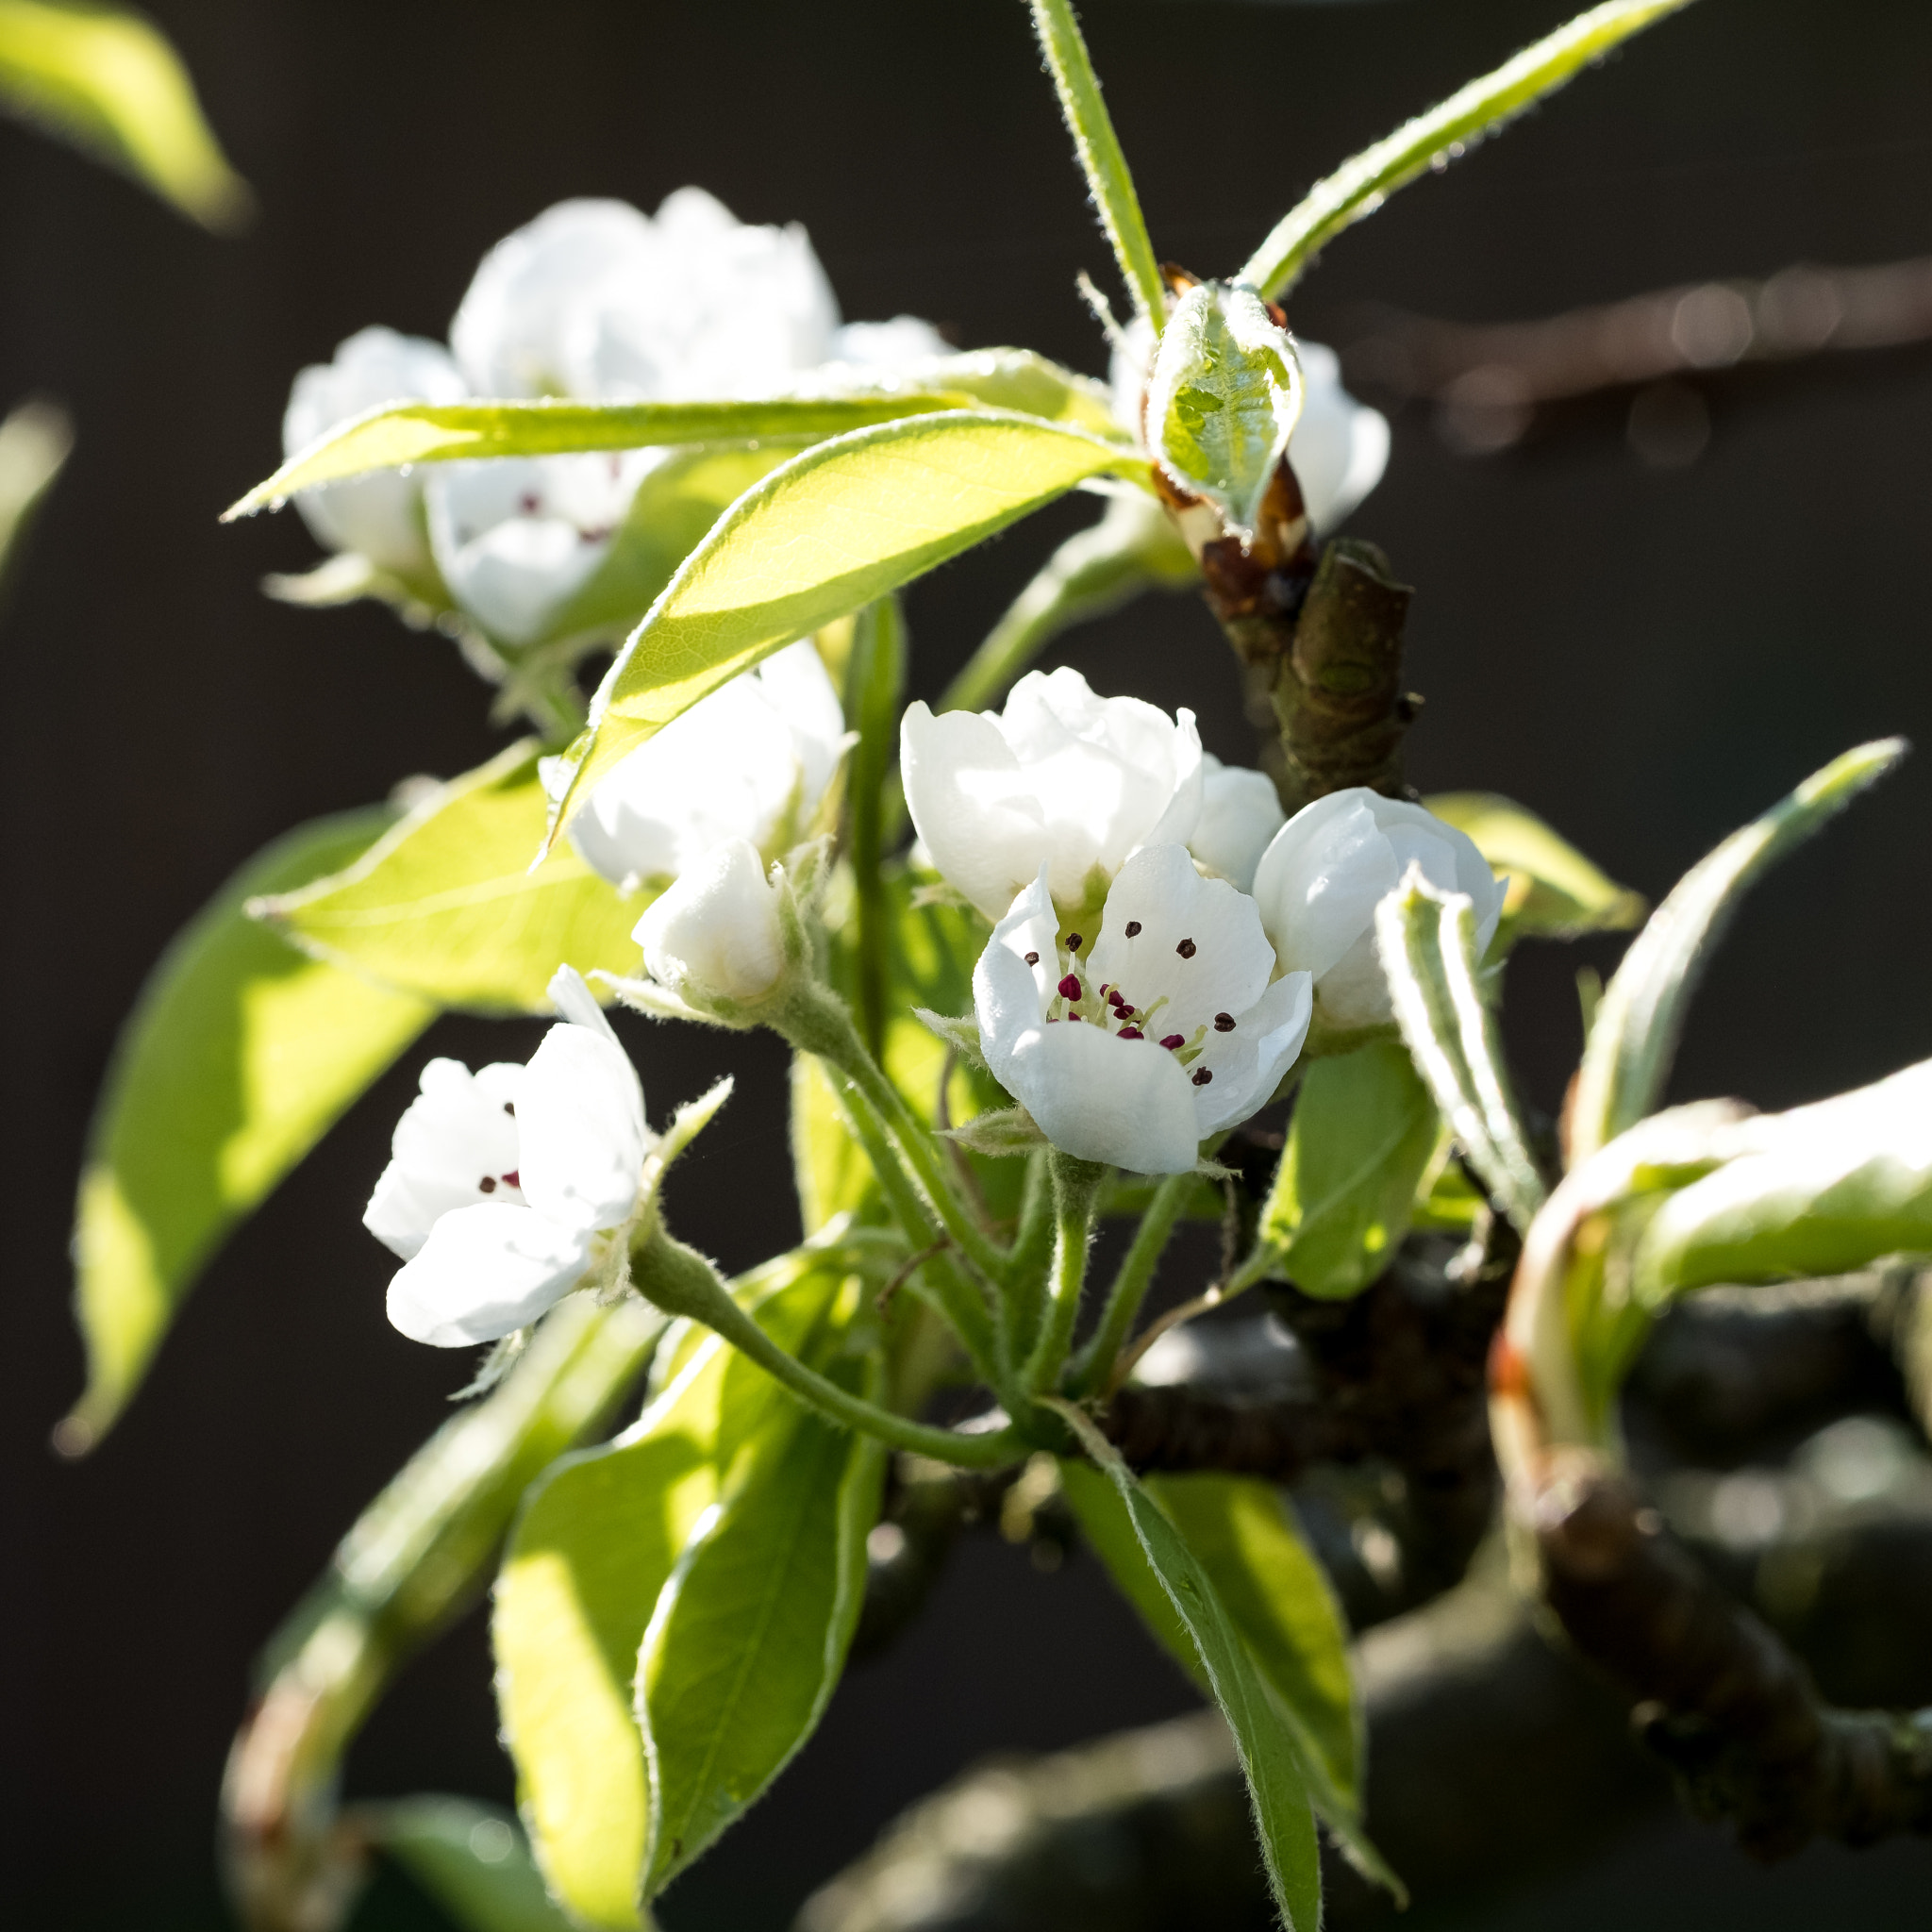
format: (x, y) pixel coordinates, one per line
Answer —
(1553, 890)
(1264, 1737)
(875, 695)
(393, 435)
(838, 527)
(1223, 399)
(445, 905)
(597, 1541)
(472, 1859)
(35, 440)
(239, 1055)
(1826, 1189)
(1427, 941)
(1099, 149)
(110, 84)
(1028, 383)
(750, 1635)
(1431, 141)
(1627, 1056)
(1363, 1129)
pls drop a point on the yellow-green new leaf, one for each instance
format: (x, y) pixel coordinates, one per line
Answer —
(110, 84)
(1223, 399)
(1553, 890)
(445, 905)
(239, 1055)
(598, 1541)
(472, 1859)
(845, 522)
(1362, 185)
(1363, 1129)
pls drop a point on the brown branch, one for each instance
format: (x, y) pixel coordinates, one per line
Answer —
(1491, 380)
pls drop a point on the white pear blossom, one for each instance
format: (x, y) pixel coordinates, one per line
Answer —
(508, 1185)
(1060, 780)
(716, 940)
(1239, 813)
(1132, 1047)
(754, 761)
(379, 517)
(1327, 870)
(597, 301)
(1340, 447)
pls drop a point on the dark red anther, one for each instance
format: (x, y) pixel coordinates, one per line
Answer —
(529, 503)
(514, 1178)
(509, 1108)
(1133, 928)
(1174, 1039)
(1033, 958)
(488, 1184)
(1185, 949)
(1072, 943)
(1069, 989)
(1223, 1022)
(1202, 1075)
(1130, 1033)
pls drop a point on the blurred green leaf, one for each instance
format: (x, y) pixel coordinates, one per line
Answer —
(1265, 1737)
(1431, 141)
(1363, 1128)
(1827, 1189)
(1223, 399)
(445, 905)
(845, 524)
(1099, 151)
(472, 1859)
(35, 440)
(598, 1539)
(750, 1633)
(1553, 890)
(238, 1056)
(110, 84)
(1627, 1057)
(1427, 941)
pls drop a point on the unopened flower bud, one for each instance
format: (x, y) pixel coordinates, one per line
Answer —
(717, 939)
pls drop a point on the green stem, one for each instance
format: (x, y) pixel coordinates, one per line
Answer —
(1130, 1285)
(816, 1021)
(681, 1282)
(874, 687)
(1022, 1293)
(1099, 149)
(1075, 1185)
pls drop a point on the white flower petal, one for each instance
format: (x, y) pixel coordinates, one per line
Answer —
(577, 1003)
(455, 1144)
(485, 1271)
(1123, 1101)
(1340, 447)
(1241, 813)
(582, 1121)
(979, 821)
(1248, 1061)
(1321, 879)
(717, 934)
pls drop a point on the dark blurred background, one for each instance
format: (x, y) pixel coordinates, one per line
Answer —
(1645, 656)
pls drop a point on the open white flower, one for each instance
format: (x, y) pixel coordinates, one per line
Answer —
(1060, 780)
(754, 761)
(716, 939)
(1340, 447)
(597, 301)
(1131, 1048)
(1331, 865)
(379, 517)
(1239, 813)
(506, 1185)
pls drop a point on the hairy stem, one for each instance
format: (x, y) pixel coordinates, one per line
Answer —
(1075, 1186)
(1129, 1287)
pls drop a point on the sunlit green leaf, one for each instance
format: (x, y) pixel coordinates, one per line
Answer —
(750, 1633)
(1427, 943)
(109, 83)
(597, 1541)
(1099, 150)
(446, 904)
(1633, 1041)
(845, 524)
(238, 1058)
(1362, 185)
(35, 440)
(1832, 1187)
(472, 1859)
(1362, 1132)
(1265, 1739)
(1223, 399)
(1553, 890)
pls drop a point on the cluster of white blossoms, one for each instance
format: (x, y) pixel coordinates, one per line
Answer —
(596, 302)
(1155, 978)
